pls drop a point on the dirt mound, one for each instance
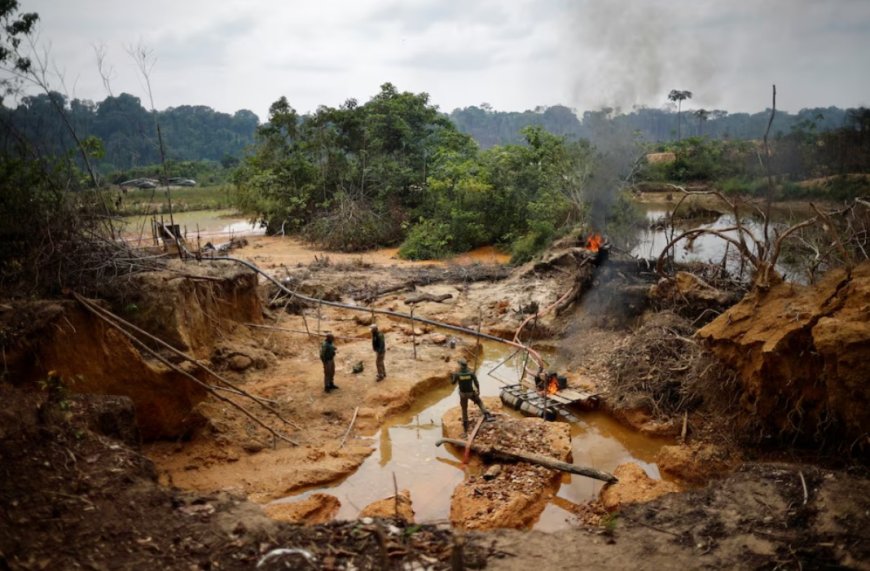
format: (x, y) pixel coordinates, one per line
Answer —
(190, 304)
(399, 507)
(88, 356)
(761, 517)
(696, 463)
(633, 487)
(803, 356)
(317, 508)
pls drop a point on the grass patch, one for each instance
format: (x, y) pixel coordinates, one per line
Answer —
(184, 199)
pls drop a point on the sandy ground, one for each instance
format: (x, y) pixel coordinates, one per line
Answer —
(232, 454)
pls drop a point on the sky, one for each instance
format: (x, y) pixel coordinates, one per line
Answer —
(514, 55)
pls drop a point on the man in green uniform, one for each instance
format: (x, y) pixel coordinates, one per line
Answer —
(327, 356)
(468, 390)
(379, 345)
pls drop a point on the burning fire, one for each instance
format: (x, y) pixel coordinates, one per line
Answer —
(593, 242)
(553, 386)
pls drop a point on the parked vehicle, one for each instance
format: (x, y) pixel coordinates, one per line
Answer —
(139, 183)
(180, 181)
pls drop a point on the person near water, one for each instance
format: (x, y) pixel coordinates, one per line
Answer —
(379, 346)
(469, 390)
(327, 357)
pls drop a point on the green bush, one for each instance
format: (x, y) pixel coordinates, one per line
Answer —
(428, 240)
(536, 239)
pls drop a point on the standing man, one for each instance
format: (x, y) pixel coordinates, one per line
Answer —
(327, 356)
(468, 390)
(379, 345)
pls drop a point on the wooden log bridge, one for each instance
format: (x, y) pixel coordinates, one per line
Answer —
(494, 453)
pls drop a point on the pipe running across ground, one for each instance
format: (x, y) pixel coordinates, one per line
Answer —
(513, 343)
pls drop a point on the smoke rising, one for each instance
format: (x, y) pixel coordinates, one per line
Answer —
(637, 51)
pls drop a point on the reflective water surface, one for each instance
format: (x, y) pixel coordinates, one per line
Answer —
(405, 446)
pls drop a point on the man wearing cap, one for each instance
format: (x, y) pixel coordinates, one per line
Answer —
(379, 345)
(469, 388)
(327, 356)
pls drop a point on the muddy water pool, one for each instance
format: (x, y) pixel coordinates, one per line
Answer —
(405, 446)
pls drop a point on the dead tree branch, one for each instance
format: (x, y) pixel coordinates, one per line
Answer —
(111, 316)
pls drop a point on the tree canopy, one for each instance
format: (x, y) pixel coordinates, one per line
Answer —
(395, 170)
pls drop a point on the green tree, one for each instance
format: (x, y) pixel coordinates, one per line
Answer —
(702, 115)
(679, 96)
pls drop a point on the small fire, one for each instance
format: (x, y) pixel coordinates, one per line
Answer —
(593, 242)
(553, 386)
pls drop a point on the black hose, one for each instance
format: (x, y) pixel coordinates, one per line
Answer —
(380, 311)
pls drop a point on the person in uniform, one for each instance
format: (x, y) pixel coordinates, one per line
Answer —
(469, 389)
(379, 346)
(327, 357)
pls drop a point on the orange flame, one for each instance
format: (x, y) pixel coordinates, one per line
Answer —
(553, 386)
(593, 242)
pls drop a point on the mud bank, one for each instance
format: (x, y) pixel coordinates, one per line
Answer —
(803, 357)
(506, 494)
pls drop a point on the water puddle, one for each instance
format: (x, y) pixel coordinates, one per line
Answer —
(405, 446)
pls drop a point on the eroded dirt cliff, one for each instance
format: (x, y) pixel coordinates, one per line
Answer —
(803, 357)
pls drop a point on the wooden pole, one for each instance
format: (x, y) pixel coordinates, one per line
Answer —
(305, 322)
(529, 344)
(319, 307)
(184, 373)
(349, 427)
(477, 346)
(552, 463)
(413, 333)
(396, 496)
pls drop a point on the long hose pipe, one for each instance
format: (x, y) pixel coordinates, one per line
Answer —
(515, 343)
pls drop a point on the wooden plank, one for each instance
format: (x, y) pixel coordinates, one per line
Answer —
(574, 395)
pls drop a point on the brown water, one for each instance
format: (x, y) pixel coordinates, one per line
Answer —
(405, 446)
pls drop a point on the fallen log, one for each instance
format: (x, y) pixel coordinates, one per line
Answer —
(369, 294)
(551, 463)
(427, 297)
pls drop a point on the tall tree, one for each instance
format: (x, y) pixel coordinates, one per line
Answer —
(702, 115)
(679, 96)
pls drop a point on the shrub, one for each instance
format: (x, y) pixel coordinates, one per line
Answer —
(351, 226)
(532, 242)
(427, 240)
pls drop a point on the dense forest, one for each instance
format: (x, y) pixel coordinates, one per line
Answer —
(490, 127)
(127, 130)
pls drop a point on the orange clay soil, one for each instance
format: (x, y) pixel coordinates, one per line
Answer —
(231, 453)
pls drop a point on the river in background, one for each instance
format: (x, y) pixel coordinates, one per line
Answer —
(215, 226)
(650, 241)
(219, 226)
(405, 447)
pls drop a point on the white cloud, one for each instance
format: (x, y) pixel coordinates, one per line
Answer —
(514, 55)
